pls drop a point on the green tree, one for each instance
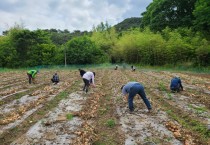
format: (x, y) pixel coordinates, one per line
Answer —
(82, 50)
(140, 47)
(28, 45)
(172, 13)
(203, 54)
(48, 54)
(101, 27)
(8, 54)
(105, 40)
(37, 50)
(128, 23)
(202, 16)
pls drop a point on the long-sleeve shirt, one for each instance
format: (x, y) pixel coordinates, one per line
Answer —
(176, 82)
(56, 78)
(127, 87)
(89, 75)
(32, 73)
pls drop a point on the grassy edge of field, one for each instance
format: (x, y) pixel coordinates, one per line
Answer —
(184, 67)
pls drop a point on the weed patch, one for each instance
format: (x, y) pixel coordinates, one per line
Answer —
(161, 86)
(110, 123)
(198, 110)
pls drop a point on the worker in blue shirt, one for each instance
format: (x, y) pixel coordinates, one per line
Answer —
(176, 84)
(130, 90)
(55, 79)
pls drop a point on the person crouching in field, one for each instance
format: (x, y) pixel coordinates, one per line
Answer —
(133, 68)
(116, 67)
(31, 75)
(176, 84)
(55, 79)
(82, 72)
(130, 90)
(88, 79)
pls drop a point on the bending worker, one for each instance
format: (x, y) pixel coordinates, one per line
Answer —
(31, 75)
(130, 90)
(88, 79)
(176, 84)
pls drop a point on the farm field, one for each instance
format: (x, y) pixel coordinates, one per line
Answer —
(43, 113)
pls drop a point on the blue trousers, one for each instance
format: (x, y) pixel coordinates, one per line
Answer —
(176, 88)
(137, 89)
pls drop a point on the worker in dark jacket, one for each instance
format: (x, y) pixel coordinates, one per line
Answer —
(130, 90)
(55, 79)
(31, 75)
(176, 84)
(82, 72)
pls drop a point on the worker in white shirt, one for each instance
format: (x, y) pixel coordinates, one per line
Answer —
(88, 79)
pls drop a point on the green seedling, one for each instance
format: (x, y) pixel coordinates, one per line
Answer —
(198, 110)
(102, 111)
(110, 123)
(168, 139)
(168, 111)
(169, 96)
(69, 116)
(41, 112)
(63, 95)
(108, 98)
(161, 86)
(118, 98)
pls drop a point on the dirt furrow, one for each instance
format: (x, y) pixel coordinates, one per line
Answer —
(64, 114)
(174, 106)
(36, 109)
(68, 122)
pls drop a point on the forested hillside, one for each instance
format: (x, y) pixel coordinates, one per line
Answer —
(128, 24)
(169, 32)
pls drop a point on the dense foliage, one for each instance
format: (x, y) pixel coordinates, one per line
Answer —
(202, 15)
(170, 32)
(171, 13)
(168, 47)
(83, 51)
(20, 48)
(128, 24)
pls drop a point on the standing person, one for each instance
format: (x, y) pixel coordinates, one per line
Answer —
(176, 84)
(31, 75)
(55, 79)
(82, 72)
(88, 79)
(130, 90)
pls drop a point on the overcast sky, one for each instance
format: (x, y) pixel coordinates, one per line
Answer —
(67, 14)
